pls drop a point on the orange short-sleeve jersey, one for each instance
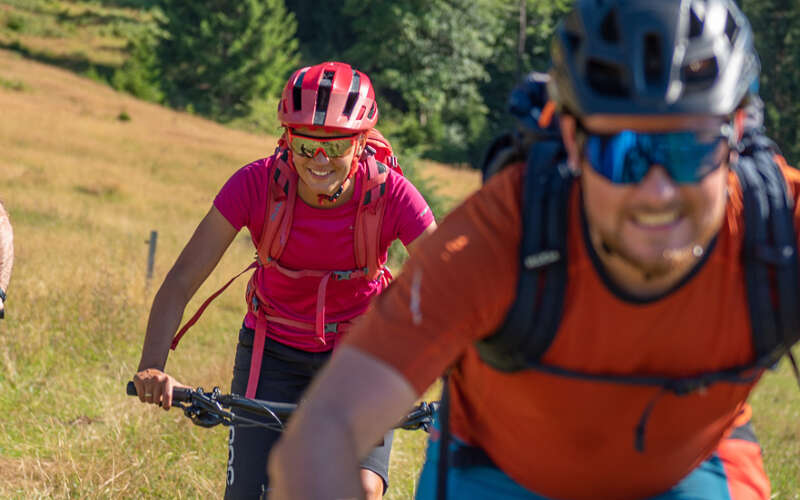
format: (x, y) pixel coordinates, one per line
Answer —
(564, 437)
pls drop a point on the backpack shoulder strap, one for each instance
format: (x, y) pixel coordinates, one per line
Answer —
(369, 216)
(533, 319)
(504, 150)
(381, 148)
(281, 197)
(769, 251)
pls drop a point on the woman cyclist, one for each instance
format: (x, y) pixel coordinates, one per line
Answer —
(322, 212)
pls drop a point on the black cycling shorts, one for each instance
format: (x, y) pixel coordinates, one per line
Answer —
(286, 372)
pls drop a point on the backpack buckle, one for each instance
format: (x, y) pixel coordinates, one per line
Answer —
(343, 275)
(331, 328)
(255, 303)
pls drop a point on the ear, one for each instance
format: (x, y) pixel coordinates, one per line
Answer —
(361, 145)
(738, 125)
(568, 126)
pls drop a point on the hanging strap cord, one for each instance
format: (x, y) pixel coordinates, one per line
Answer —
(203, 307)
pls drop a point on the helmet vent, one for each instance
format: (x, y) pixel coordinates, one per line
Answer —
(297, 99)
(695, 24)
(653, 67)
(606, 79)
(372, 111)
(609, 29)
(700, 75)
(323, 95)
(731, 28)
(352, 96)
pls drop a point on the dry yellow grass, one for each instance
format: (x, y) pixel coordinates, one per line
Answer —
(84, 189)
(454, 182)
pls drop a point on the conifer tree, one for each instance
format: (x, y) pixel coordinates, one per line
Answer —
(216, 56)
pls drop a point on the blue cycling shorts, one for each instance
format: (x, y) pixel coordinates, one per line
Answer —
(717, 478)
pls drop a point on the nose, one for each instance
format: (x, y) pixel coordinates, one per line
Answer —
(321, 158)
(657, 188)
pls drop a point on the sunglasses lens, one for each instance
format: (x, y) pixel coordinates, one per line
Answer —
(626, 157)
(308, 147)
(338, 147)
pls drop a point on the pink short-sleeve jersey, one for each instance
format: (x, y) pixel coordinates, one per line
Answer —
(320, 239)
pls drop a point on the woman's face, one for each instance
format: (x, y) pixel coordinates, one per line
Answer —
(322, 174)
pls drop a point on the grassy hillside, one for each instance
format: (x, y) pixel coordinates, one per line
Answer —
(78, 35)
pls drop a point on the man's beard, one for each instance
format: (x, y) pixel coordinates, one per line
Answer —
(671, 258)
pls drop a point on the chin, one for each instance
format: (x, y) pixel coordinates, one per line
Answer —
(655, 268)
(326, 188)
(656, 262)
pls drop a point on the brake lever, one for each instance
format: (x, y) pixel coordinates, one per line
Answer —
(205, 410)
(421, 417)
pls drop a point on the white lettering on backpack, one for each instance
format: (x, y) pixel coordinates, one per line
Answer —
(541, 259)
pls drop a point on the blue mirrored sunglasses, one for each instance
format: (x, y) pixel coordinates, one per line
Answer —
(626, 157)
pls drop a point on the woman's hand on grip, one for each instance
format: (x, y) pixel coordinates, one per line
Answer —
(155, 387)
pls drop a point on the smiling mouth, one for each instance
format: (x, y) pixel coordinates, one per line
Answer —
(320, 173)
(657, 220)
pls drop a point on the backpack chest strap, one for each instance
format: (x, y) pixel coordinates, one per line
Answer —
(258, 305)
(265, 313)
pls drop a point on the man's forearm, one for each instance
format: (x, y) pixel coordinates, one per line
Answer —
(323, 467)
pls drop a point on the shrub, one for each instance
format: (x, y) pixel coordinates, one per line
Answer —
(139, 74)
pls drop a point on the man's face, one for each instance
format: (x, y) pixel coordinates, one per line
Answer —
(655, 225)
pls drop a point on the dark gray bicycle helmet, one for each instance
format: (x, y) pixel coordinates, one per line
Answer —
(653, 57)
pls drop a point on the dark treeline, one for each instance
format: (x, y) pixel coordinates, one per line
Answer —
(442, 68)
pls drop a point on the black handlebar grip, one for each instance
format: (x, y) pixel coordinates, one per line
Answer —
(181, 394)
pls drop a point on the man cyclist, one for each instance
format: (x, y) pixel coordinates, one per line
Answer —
(6, 256)
(650, 96)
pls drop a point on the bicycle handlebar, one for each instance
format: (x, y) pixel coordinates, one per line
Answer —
(206, 409)
(181, 394)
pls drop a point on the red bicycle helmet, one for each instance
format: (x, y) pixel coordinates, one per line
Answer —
(331, 95)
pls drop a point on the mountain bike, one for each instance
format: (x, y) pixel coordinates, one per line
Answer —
(208, 409)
